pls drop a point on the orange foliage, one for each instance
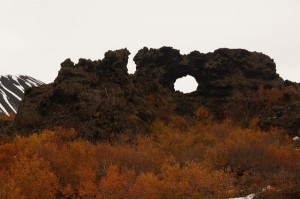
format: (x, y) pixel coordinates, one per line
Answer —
(115, 184)
(4, 117)
(192, 181)
(86, 186)
(34, 178)
(7, 155)
(271, 95)
(146, 186)
(178, 160)
(202, 113)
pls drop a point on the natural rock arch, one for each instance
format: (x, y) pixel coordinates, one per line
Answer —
(103, 100)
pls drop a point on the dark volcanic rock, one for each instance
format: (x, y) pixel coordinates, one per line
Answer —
(101, 100)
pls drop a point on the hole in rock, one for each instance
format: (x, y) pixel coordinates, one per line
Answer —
(186, 84)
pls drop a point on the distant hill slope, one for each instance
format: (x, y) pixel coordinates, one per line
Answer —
(12, 89)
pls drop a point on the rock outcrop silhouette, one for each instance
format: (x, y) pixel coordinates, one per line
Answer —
(101, 100)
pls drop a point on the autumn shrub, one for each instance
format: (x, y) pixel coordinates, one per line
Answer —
(202, 113)
(140, 157)
(9, 188)
(292, 93)
(34, 178)
(146, 186)
(273, 95)
(193, 181)
(8, 153)
(116, 184)
(259, 158)
(178, 159)
(190, 181)
(190, 145)
(4, 117)
(231, 153)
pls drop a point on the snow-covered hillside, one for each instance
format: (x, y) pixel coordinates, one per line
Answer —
(12, 90)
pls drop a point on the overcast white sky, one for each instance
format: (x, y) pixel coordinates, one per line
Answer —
(37, 35)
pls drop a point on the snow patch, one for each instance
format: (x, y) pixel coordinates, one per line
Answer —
(3, 109)
(296, 138)
(7, 101)
(36, 81)
(16, 96)
(31, 82)
(251, 196)
(21, 88)
(269, 187)
(14, 78)
(28, 84)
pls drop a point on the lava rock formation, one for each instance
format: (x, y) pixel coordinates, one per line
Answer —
(101, 100)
